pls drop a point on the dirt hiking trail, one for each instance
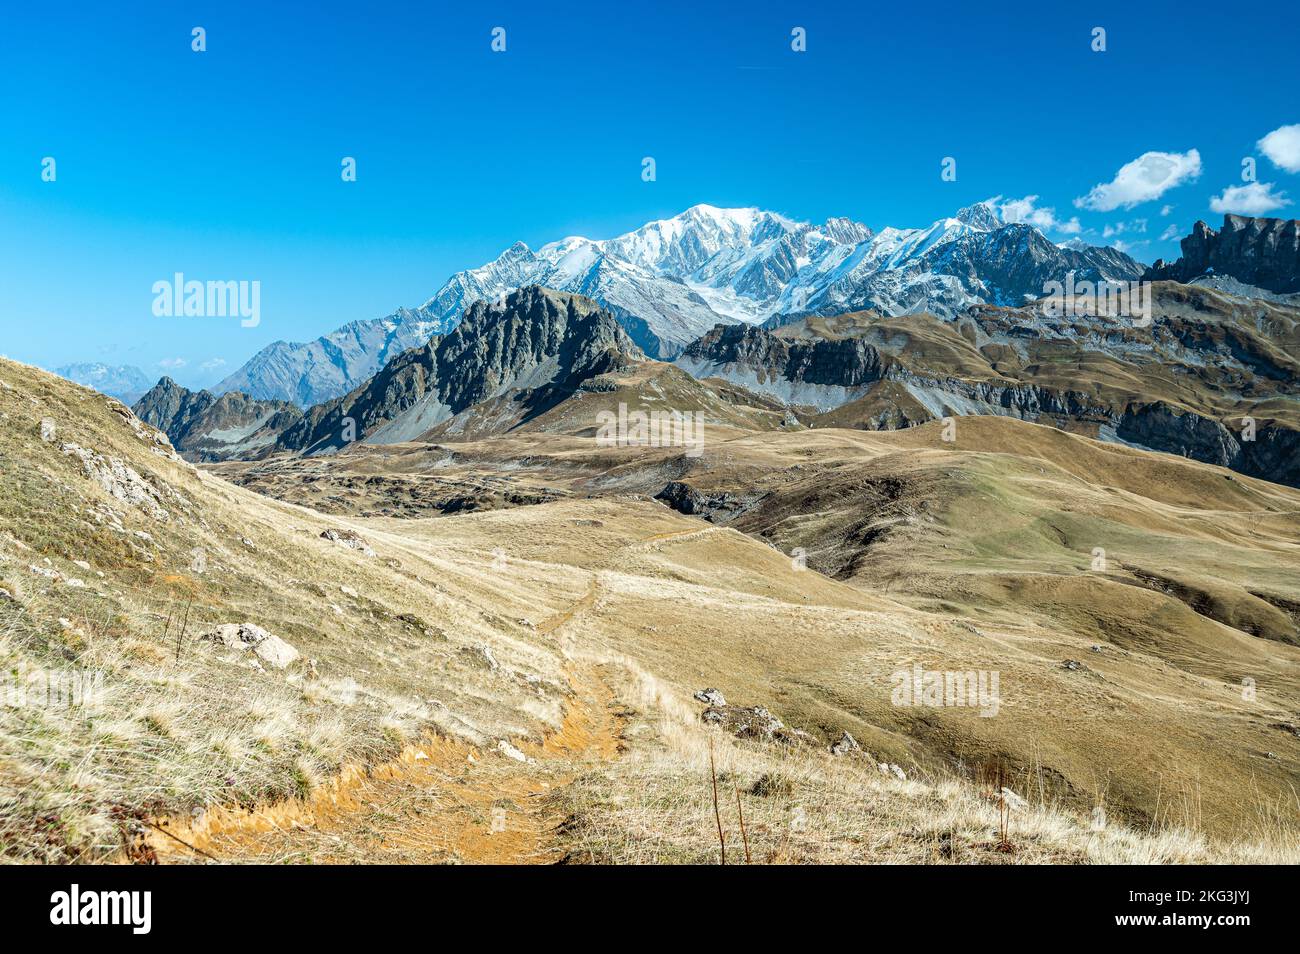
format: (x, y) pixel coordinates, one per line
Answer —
(440, 801)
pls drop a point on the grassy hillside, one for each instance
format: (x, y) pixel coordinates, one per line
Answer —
(514, 684)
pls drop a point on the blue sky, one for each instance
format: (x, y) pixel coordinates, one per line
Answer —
(225, 164)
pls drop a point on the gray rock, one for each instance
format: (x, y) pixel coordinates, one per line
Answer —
(1261, 252)
(242, 637)
(481, 656)
(1014, 801)
(746, 723)
(119, 480)
(847, 745)
(350, 539)
(538, 343)
(710, 697)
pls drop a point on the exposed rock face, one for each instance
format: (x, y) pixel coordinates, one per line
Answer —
(1257, 251)
(204, 427)
(120, 480)
(835, 368)
(539, 345)
(716, 508)
(1274, 454)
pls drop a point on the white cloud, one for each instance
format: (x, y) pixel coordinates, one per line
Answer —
(1254, 198)
(1166, 209)
(1023, 210)
(1147, 177)
(1128, 247)
(1282, 146)
(213, 364)
(1119, 228)
(171, 364)
(1172, 232)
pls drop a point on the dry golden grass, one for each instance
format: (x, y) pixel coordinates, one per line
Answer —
(805, 806)
(395, 639)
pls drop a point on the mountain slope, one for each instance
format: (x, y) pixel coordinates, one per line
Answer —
(424, 673)
(205, 427)
(1127, 600)
(537, 346)
(315, 371)
(1185, 385)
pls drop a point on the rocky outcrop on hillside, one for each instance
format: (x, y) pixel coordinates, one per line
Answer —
(538, 345)
(205, 427)
(843, 362)
(1255, 251)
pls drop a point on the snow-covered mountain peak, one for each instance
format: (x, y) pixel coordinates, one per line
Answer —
(981, 215)
(674, 278)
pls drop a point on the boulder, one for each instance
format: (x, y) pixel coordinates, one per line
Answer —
(847, 745)
(710, 697)
(350, 539)
(510, 752)
(272, 650)
(1014, 801)
(481, 656)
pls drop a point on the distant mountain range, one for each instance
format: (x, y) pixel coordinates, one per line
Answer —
(1213, 377)
(124, 381)
(672, 280)
(331, 365)
(1211, 374)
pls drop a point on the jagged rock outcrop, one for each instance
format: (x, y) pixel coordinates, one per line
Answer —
(837, 362)
(538, 345)
(1261, 252)
(206, 427)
